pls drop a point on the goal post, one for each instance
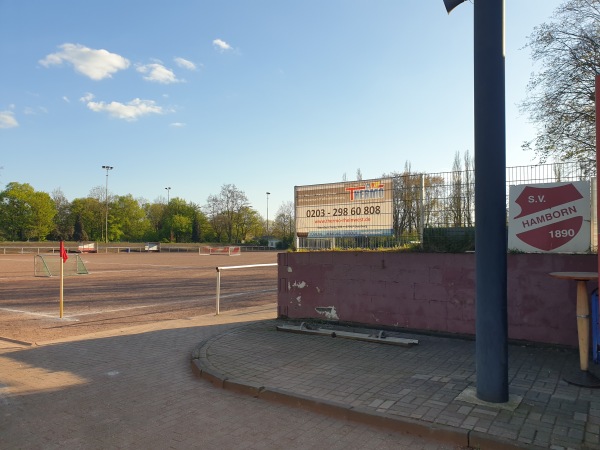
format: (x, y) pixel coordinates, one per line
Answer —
(220, 269)
(229, 250)
(49, 266)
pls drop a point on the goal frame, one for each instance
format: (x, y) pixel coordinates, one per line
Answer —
(229, 250)
(49, 265)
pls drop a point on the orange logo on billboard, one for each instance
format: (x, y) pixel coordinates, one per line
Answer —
(367, 191)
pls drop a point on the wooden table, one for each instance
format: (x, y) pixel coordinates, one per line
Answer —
(581, 377)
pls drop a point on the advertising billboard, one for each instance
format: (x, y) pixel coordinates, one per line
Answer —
(346, 209)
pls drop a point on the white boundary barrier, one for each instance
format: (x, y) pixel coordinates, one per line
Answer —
(219, 269)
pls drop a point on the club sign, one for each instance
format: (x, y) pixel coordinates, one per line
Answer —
(550, 217)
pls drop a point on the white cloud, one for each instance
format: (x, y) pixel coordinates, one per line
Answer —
(158, 73)
(7, 120)
(130, 111)
(185, 64)
(222, 45)
(87, 97)
(30, 111)
(66, 99)
(177, 125)
(95, 64)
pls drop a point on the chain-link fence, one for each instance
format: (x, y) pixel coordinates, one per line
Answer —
(436, 211)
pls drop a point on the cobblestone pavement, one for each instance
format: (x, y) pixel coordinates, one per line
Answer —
(428, 386)
(133, 388)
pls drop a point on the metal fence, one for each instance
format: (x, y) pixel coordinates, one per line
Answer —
(431, 209)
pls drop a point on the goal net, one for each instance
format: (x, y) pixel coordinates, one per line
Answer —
(228, 250)
(49, 266)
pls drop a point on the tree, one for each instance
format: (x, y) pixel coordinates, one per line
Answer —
(224, 211)
(129, 222)
(24, 213)
(561, 95)
(90, 213)
(99, 202)
(283, 226)
(462, 195)
(79, 233)
(416, 201)
(177, 221)
(63, 226)
(155, 213)
(247, 224)
(181, 227)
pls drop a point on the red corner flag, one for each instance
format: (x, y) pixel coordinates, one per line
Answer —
(63, 252)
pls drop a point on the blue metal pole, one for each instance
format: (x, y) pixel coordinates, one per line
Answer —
(490, 202)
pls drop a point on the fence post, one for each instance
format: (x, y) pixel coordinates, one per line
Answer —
(218, 291)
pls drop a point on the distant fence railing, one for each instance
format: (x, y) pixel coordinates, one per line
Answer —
(434, 208)
(108, 248)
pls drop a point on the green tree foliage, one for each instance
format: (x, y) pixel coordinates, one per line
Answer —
(63, 226)
(79, 233)
(181, 227)
(90, 214)
(229, 214)
(177, 220)
(155, 213)
(247, 223)
(25, 214)
(128, 221)
(561, 94)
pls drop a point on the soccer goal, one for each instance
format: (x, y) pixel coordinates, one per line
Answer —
(49, 266)
(228, 250)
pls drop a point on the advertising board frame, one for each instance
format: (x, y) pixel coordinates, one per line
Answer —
(345, 209)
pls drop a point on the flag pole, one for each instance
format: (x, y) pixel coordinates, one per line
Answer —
(63, 258)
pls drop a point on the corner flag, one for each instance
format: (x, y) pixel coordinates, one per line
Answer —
(63, 252)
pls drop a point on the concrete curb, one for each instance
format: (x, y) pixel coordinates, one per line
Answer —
(202, 368)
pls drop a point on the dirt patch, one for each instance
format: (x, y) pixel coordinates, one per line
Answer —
(126, 289)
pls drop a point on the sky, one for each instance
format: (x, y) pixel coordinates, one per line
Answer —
(265, 95)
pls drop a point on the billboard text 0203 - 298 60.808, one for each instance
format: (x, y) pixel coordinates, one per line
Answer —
(346, 209)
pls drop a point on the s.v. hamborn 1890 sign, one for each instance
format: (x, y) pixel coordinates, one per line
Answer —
(550, 217)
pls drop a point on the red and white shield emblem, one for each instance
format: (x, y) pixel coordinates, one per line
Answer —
(547, 217)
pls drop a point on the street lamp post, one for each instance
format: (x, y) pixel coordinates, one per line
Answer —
(491, 323)
(107, 168)
(168, 191)
(268, 193)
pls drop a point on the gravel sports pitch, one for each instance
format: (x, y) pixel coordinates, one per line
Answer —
(125, 289)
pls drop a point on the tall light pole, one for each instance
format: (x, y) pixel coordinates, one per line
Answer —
(168, 191)
(491, 323)
(107, 168)
(268, 193)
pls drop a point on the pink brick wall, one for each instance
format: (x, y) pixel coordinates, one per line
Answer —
(429, 291)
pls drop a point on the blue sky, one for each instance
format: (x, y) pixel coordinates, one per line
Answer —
(262, 94)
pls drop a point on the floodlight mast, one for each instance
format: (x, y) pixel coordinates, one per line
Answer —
(107, 168)
(268, 193)
(491, 323)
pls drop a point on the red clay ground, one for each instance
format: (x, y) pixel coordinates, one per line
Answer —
(124, 289)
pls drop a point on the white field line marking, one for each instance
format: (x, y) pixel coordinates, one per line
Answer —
(31, 313)
(104, 311)
(174, 266)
